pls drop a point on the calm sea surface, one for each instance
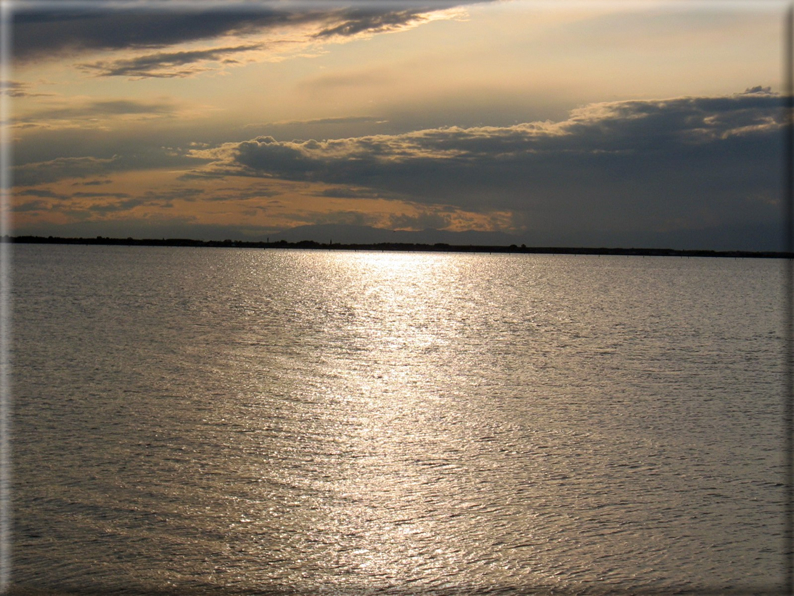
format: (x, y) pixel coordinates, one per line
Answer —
(219, 420)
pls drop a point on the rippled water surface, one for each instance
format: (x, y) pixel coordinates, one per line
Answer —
(202, 419)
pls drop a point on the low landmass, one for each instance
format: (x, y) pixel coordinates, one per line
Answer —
(401, 246)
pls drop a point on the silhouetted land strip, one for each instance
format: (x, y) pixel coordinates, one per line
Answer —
(401, 246)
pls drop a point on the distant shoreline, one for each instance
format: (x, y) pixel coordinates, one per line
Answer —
(401, 247)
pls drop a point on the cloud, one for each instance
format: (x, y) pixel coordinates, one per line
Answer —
(42, 33)
(371, 21)
(83, 204)
(688, 161)
(46, 31)
(63, 167)
(41, 193)
(93, 182)
(323, 121)
(30, 206)
(18, 89)
(94, 195)
(349, 193)
(116, 207)
(164, 196)
(166, 64)
(349, 217)
(96, 111)
(758, 89)
(103, 156)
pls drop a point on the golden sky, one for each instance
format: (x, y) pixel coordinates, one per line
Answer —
(538, 122)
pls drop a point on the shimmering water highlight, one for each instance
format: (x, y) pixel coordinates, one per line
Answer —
(215, 420)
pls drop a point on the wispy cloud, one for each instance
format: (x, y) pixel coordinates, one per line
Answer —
(18, 89)
(321, 121)
(370, 21)
(167, 64)
(82, 113)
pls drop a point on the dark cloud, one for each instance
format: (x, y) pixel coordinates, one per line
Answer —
(349, 193)
(281, 159)
(116, 206)
(42, 172)
(45, 30)
(41, 193)
(122, 202)
(683, 162)
(373, 21)
(63, 167)
(93, 182)
(93, 195)
(759, 89)
(349, 218)
(383, 15)
(97, 208)
(163, 197)
(164, 64)
(41, 33)
(121, 136)
(30, 206)
(92, 154)
(241, 194)
(430, 220)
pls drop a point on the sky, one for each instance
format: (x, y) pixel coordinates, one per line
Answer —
(545, 123)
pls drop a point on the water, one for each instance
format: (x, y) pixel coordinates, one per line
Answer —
(224, 420)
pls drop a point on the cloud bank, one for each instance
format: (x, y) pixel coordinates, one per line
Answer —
(636, 172)
(660, 164)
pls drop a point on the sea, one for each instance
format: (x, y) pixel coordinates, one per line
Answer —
(265, 421)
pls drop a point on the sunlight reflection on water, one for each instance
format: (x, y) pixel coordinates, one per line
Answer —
(233, 419)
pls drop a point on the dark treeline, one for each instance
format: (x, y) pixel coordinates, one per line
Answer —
(399, 246)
